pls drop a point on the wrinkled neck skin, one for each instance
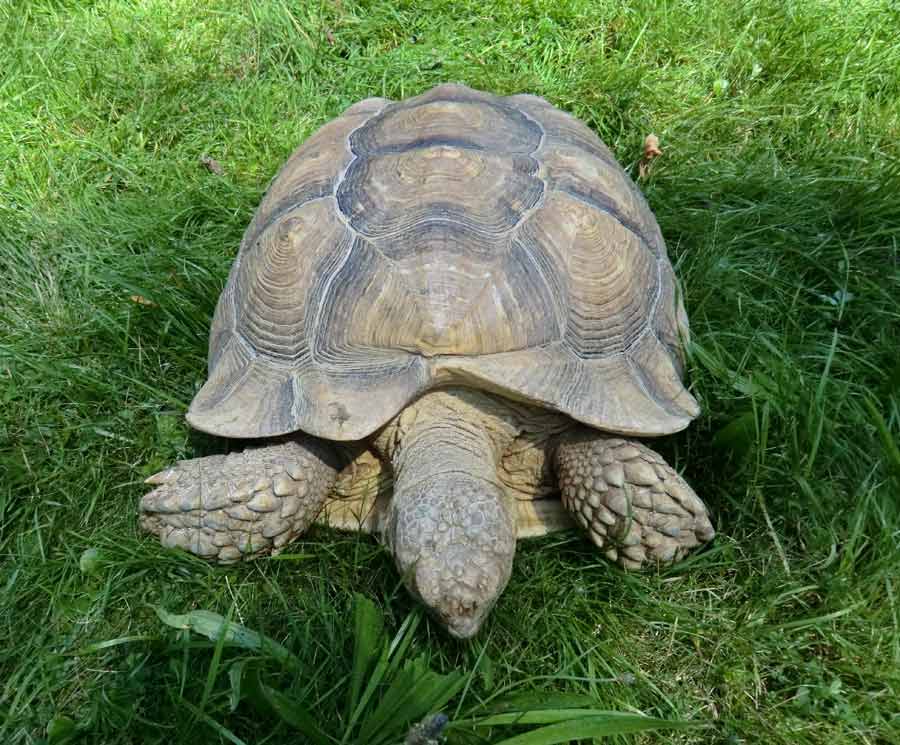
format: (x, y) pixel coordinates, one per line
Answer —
(451, 524)
(456, 416)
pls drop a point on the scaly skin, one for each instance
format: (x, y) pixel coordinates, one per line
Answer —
(450, 524)
(231, 507)
(633, 505)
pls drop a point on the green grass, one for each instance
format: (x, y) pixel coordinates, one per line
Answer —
(777, 193)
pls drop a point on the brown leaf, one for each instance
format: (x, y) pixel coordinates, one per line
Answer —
(212, 165)
(141, 300)
(651, 151)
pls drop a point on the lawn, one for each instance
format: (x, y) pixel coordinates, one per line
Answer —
(778, 196)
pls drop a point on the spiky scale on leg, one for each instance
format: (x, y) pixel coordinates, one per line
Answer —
(230, 507)
(633, 505)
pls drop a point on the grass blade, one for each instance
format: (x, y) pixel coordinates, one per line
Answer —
(212, 626)
(414, 693)
(108, 643)
(207, 719)
(368, 638)
(534, 716)
(888, 442)
(213, 671)
(235, 680)
(601, 724)
(519, 702)
(290, 712)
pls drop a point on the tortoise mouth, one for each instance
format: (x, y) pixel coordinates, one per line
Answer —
(462, 617)
(464, 628)
(460, 604)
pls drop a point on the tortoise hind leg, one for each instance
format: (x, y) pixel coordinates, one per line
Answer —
(633, 505)
(231, 507)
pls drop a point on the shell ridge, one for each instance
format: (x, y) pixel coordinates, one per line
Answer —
(444, 94)
(321, 191)
(538, 174)
(512, 231)
(435, 141)
(348, 143)
(341, 196)
(316, 325)
(537, 124)
(561, 317)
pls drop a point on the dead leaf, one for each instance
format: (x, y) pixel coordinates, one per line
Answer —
(212, 165)
(141, 300)
(329, 35)
(651, 151)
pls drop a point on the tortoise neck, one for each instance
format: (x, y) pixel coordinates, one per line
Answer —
(450, 429)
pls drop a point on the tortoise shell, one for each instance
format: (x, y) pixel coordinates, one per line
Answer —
(454, 237)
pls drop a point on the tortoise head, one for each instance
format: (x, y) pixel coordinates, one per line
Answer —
(453, 540)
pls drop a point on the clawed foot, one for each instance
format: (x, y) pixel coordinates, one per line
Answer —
(633, 505)
(229, 507)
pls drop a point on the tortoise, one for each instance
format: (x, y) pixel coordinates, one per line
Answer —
(446, 322)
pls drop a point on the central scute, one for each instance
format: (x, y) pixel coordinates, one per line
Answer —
(427, 292)
(434, 194)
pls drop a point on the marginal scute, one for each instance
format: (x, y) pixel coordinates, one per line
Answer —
(561, 128)
(478, 123)
(353, 404)
(608, 393)
(223, 323)
(659, 372)
(255, 401)
(670, 321)
(456, 237)
(368, 106)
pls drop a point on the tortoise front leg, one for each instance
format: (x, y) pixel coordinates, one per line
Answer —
(231, 507)
(633, 505)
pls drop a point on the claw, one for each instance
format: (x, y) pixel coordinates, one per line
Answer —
(162, 501)
(160, 478)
